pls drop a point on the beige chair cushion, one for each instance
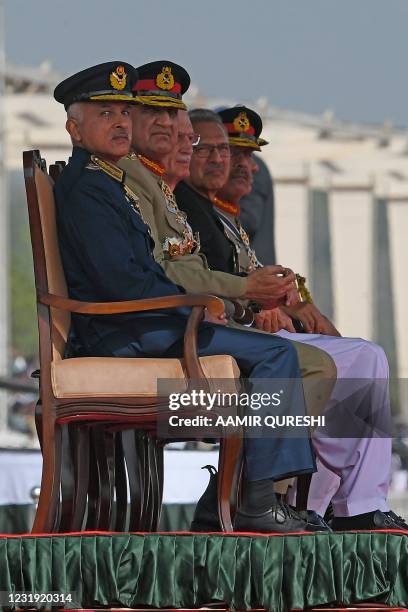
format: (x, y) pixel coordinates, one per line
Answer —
(122, 377)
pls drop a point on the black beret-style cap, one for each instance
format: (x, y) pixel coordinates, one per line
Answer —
(107, 81)
(244, 127)
(161, 83)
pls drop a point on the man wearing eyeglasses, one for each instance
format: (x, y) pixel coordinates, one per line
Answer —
(107, 254)
(209, 170)
(177, 248)
(158, 94)
(357, 481)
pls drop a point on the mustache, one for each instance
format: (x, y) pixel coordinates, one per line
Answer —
(213, 165)
(121, 134)
(162, 133)
(241, 174)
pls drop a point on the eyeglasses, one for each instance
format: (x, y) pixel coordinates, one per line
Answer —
(205, 150)
(193, 139)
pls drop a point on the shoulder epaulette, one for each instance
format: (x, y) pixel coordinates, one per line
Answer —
(108, 168)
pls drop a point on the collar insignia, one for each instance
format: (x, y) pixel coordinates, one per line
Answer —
(228, 207)
(118, 78)
(165, 79)
(241, 123)
(154, 167)
(110, 169)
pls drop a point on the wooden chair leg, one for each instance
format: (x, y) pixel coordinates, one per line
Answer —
(160, 475)
(236, 497)
(110, 459)
(81, 463)
(154, 459)
(302, 491)
(104, 452)
(133, 459)
(47, 509)
(120, 485)
(228, 466)
(147, 490)
(93, 488)
(151, 486)
(67, 478)
(38, 421)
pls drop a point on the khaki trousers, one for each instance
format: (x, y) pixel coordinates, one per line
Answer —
(318, 378)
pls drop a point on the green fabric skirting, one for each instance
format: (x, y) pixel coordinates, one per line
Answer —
(16, 518)
(187, 570)
(19, 518)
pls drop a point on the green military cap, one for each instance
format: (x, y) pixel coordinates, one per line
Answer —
(244, 127)
(161, 83)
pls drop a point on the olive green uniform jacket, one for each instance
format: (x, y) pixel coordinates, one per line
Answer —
(189, 270)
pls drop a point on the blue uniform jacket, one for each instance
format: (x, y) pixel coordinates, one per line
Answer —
(106, 254)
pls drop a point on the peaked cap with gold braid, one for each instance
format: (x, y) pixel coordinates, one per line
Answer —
(244, 127)
(111, 81)
(161, 84)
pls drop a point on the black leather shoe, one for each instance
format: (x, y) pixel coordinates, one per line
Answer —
(398, 520)
(369, 521)
(314, 521)
(206, 515)
(280, 518)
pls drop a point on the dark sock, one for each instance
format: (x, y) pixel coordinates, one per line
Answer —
(258, 496)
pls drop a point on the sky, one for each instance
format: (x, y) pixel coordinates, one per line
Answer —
(347, 56)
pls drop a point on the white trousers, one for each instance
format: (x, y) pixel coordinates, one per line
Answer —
(353, 473)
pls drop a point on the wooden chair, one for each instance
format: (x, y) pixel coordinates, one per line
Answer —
(106, 394)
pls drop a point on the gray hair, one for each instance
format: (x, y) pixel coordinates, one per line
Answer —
(205, 115)
(75, 111)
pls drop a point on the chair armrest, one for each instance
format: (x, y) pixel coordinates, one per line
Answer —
(214, 305)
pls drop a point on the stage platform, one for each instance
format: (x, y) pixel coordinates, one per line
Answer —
(188, 571)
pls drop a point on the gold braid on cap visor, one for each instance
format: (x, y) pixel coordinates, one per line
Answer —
(236, 141)
(163, 101)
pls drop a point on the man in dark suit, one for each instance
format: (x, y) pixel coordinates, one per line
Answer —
(358, 478)
(107, 255)
(257, 214)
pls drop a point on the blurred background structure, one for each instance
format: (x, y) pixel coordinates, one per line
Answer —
(341, 194)
(341, 186)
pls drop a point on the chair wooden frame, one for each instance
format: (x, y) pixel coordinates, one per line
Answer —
(129, 412)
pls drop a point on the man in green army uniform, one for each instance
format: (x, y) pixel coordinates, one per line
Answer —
(176, 247)
(159, 93)
(155, 133)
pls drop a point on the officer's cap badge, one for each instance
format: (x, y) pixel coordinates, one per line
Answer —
(118, 78)
(241, 123)
(165, 79)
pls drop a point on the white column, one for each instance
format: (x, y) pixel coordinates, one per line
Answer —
(4, 263)
(292, 218)
(398, 224)
(351, 215)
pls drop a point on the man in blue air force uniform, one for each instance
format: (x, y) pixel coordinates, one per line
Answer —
(107, 255)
